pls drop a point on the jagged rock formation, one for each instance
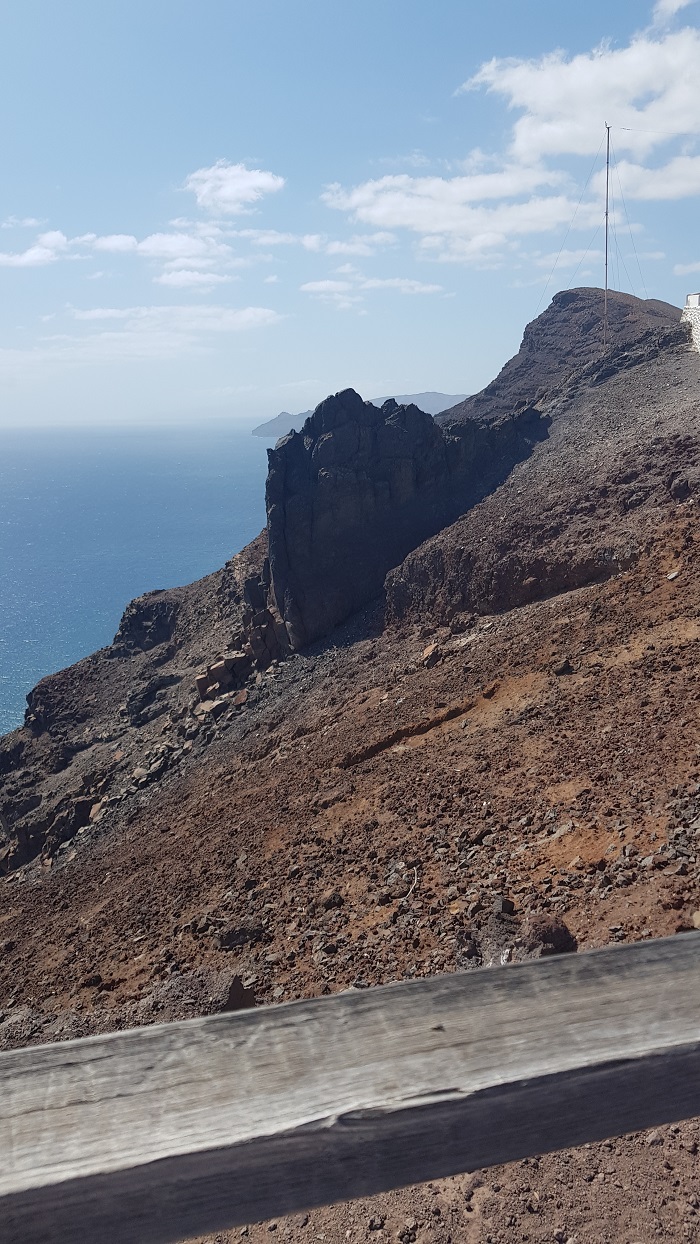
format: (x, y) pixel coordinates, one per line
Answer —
(431, 402)
(351, 494)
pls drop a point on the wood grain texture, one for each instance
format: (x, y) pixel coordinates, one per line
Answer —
(166, 1132)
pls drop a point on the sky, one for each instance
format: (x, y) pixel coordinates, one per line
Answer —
(229, 208)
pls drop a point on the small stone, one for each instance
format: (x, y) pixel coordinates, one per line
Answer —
(333, 898)
(239, 998)
(696, 919)
(431, 656)
(654, 1138)
(504, 906)
(201, 682)
(563, 667)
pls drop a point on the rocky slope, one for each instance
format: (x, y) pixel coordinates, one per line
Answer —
(496, 769)
(565, 339)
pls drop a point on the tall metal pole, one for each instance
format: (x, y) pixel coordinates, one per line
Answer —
(607, 202)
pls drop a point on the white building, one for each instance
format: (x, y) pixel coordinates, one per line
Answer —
(691, 315)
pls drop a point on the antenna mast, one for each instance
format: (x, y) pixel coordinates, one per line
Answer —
(607, 214)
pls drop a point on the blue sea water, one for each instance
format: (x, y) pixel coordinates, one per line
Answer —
(91, 518)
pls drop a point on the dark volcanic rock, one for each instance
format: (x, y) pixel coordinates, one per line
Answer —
(568, 337)
(147, 621)
(351, 494)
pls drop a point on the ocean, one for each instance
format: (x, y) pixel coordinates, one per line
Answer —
(90, 518)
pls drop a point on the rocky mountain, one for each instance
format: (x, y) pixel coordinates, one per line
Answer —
(493, 756)
(566, 338)
(431, 403)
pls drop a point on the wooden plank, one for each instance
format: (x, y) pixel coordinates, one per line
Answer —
(171, 1131)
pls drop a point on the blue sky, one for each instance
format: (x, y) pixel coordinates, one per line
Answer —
(234, 207)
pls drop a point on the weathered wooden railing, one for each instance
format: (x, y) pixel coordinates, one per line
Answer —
(171, 1131)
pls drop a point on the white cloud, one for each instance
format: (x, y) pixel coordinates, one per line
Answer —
(665, 10)
(47, 249)
(325, 287)
(346, 294)
(231, 188)
(414, 159)
(678, 179)
(105, 313)
(341, 294)
(268, 237)
(649, 86)
(454, 227)
(119, 243)
(174, 247)
(187, 278)
(403, 284)
(170, 248)
(682, 269)
(20, 222)
(568, 258)
(358, 244)
(188, 319)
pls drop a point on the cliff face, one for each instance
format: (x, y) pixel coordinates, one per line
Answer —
(351, 494)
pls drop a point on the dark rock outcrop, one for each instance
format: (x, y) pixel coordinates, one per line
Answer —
(358, 488)
(147, 622)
